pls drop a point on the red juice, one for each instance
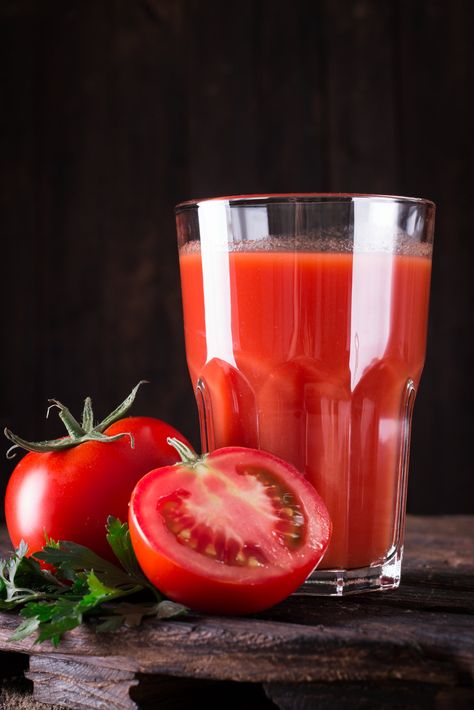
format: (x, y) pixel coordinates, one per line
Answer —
(315, 357)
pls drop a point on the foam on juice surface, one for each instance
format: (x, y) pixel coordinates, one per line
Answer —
(384, 243)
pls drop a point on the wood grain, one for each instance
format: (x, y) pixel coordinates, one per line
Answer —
(361, 696)
(113, 111)
(73, 683)
(414, 634)
(411, 648)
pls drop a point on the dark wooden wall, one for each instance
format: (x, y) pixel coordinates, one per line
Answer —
(111, 111)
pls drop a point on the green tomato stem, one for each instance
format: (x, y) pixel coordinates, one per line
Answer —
(121, 410)
(73, 427)
(188, 456)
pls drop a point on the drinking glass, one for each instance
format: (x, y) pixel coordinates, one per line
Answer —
(305, 321)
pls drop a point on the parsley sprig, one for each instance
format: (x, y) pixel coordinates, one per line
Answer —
(83, 586)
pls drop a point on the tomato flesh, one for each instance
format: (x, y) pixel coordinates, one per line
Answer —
(235, 533)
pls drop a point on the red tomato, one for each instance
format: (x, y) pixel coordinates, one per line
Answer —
(233, 532)
(69, 494)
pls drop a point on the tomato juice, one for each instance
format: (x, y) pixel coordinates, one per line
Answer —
(314, 356)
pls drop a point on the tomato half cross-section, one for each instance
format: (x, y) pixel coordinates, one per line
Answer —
(234, 532)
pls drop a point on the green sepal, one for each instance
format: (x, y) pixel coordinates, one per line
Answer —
(87, 415)
(77, 433)
(121, 410)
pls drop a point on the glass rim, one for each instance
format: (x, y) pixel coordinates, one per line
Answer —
(247, 200)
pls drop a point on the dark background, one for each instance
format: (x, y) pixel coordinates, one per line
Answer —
(111, 111)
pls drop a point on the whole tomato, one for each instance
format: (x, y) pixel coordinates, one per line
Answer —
(65, 489)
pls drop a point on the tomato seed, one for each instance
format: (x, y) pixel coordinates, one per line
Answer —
(253, 562)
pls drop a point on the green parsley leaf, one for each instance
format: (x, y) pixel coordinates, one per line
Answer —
(70, 558)
(21, 579)
(132, 614)
(118, 537)
(26, 628)
(82, 586)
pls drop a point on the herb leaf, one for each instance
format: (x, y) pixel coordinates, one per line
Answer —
(118, 537)
(26, 628)
(21, 580)
(82, 586)
(70, 558)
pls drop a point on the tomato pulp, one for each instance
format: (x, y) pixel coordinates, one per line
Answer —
(314, 357)
(233, 532)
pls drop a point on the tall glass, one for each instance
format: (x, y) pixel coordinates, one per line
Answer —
(305, 323)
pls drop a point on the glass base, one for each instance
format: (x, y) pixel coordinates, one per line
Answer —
(339, 582)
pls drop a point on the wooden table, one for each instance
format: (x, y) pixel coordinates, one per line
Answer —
(410, 648)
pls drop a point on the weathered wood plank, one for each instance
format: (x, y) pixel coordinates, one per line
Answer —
(79, 683)
(444, 539)
(15, 688)
(368, 696)
(409, 635)
(438, 566)
(349, 641)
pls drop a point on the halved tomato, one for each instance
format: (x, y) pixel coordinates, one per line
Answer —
(234, 531)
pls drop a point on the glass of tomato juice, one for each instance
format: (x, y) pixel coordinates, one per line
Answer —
(305, 322)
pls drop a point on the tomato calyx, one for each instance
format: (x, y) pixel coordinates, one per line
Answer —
(78, 433)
